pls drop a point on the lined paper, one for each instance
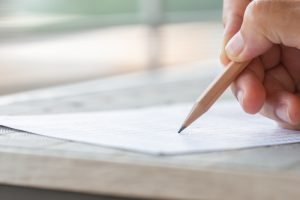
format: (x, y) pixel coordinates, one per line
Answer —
(154, 130)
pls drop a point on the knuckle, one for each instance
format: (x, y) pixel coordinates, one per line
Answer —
(254, 11)
(258, 15)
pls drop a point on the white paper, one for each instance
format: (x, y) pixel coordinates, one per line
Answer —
(154, 130)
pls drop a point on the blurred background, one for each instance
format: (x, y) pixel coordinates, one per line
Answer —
(51, 42)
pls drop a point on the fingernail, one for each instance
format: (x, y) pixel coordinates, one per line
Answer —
(240, 96)
(235, 45)
(282, 113)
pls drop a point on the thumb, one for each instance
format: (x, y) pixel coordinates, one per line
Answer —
(265, 23)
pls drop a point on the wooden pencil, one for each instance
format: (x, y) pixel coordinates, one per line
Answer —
(214, 91)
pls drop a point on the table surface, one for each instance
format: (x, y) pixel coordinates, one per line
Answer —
(34, 161)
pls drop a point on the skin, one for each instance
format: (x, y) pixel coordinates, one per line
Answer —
(268, 33)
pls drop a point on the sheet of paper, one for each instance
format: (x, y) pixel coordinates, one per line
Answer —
(154, 130)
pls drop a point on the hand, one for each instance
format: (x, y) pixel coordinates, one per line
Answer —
(268, 33)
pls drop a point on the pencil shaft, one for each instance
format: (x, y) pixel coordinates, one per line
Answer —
(214, 91)
(220, 84)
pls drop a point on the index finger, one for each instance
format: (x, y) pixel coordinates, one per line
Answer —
(233, 13)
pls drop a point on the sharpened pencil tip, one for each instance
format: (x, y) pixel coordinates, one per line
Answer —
(181, 129)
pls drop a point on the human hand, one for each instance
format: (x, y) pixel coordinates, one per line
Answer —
(268, 33)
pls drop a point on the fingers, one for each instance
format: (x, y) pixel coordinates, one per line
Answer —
(272, 57)
(251, 81)
(265, 23)
(272, 93)
(282, 104)
(248, 87)
(291, 59)
(233, 12)
(278, 78)
(284, 108)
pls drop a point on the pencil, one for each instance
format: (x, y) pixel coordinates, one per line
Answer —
(213, 92)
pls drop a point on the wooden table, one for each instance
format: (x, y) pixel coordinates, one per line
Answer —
(33, 165)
